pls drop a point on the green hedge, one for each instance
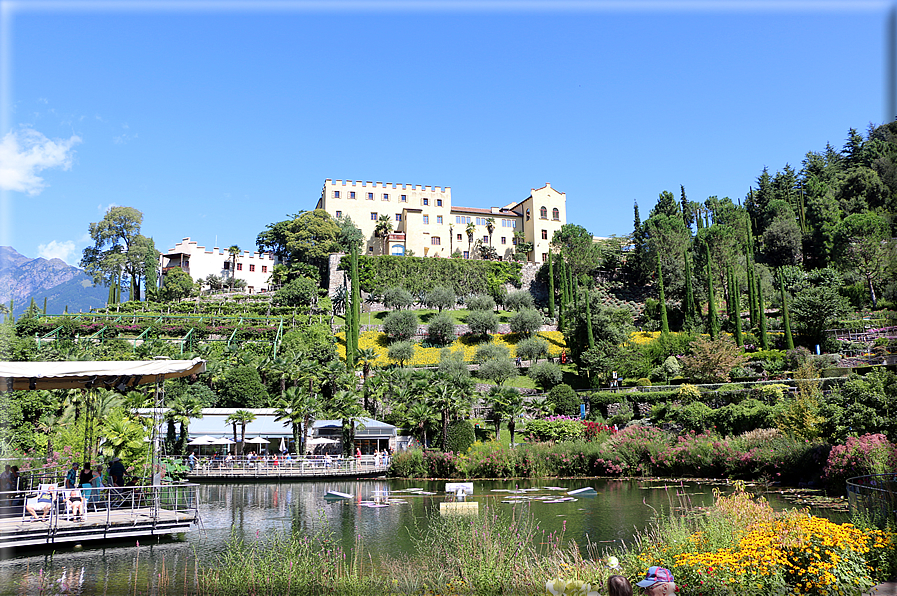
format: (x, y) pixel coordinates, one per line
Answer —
(419, 274)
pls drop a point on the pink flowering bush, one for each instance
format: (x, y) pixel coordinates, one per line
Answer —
(859, 456)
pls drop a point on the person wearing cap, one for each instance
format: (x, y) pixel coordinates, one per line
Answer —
(658, 581)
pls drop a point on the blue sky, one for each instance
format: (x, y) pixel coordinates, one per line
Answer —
(218, 120)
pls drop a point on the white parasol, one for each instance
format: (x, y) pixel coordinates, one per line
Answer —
(322, 441)
(203, 440)
(258, 441)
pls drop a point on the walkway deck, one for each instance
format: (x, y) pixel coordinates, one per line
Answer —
(152, 511)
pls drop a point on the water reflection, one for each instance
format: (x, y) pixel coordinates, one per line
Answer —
(257, 511)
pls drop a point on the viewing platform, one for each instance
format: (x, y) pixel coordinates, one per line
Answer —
(367, 466)
(109, 514)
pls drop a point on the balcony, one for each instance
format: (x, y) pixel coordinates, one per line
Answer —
(396, 237)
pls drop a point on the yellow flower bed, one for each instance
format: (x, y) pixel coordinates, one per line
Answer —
(430, 356)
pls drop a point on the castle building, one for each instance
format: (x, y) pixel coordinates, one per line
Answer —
(253, 267)
(425, 223)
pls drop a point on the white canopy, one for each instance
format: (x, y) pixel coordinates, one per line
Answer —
(203, 440)
(322, 441)
(258, 441)
(85, 375)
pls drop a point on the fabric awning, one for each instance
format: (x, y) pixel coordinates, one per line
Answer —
(120, 375)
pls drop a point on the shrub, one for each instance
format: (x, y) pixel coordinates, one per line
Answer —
(452, 365)
(408, 464)
(532, 348)
(397, 298)
(526, 322)
(481, 302)
(688, 393)
(490, 351)
(460, 436)
(482, 322)
(555, 428)
(711, 361)
(770, 393)
(400, 325)
(498, 370)
(302, 291)
(440, 297)
(441, 465)
(859, 456)
(401, 352)
(643, 382)
(564, 400)
(441, 329)
(545, 374)
(518, 300)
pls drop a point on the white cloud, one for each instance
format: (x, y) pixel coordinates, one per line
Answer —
(105, 209)
(56, 250)
(25, 153)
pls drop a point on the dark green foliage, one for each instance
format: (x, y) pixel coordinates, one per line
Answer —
(460, 436)
(302, 291)
(786, 318)
(518, 300)
(482, 323)
(490, 351)
(817, 309)
(498, 370)
(441, 329)
(761, 311)
(712, 316)
(397, 298)
(550, 286)
(526, 322)
(441, 298)
(401, 325)
(481, 302)
(689, 308)
(564, 400)
(664, 323)
(608, 325)
(452, 365)
(419, 274)
(176, 285)
(862, 405)
(545, 374)
(242, 388)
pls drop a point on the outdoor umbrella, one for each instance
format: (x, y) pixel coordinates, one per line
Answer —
(203, 440)
(322, 441)
(283, 445)
(258, 441)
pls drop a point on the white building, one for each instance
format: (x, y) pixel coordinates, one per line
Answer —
(254, 268)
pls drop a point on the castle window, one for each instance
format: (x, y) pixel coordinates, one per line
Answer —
(486, 239)
(544, 256)
(439, 219)
(239, 266)
(385, 196)
(426, 219)
(336, 194)
(227, 263)
(373, 216)
(504, 240)
(439, 202)
(556, 214)
(459, 237)
(264, 269)
(466, 254)
(351, 194)
(527, 215)
(339, 214)
(544, 234)
(370, 196)
(426, 201)
(543, 213)
(404, 198)
(398, 217)
(435, 241)
(251, 267)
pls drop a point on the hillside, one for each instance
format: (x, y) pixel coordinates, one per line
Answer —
(61, 284)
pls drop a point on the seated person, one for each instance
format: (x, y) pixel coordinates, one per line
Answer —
(43, 501)
(75, 503)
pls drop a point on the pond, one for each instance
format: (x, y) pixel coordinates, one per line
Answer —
(254, 511)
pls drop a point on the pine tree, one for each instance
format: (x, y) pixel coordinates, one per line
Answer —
(761, 307)
(550, 287)
(664, 322)
(789, 340)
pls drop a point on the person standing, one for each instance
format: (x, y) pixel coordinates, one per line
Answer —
(71, 477)
(117, 472)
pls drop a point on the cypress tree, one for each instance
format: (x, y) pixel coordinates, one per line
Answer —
(591, 335)
(575, 289)
(739, 340)
(550, 286)
(664, 322)
(563, 275)
(761, 307)
(356, 298)
(348, 327)
(45, 305)
(786, 320)
(689, 307)
(712, 316)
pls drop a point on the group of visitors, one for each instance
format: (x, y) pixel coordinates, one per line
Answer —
(658, 582)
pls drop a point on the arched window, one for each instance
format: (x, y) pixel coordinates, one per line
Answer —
(543, 212)
(398, 250)
(527, 215)
(556, 214)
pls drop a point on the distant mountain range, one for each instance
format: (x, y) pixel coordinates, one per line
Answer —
(22, 279)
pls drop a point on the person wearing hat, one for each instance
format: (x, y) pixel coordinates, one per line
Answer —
(658, 581)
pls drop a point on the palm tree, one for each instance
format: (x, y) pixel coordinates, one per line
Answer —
(382, 230)
(451, 239)
(490, 226)
(346, 406)
(419, 416)
(451, 402)
(123, 435)
(241, 417)
(514, 411)
(234, 252)
(366, 356)
(471, 230)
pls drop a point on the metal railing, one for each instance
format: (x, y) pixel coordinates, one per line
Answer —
(313, 465)
(874, 496)
(95, 510)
